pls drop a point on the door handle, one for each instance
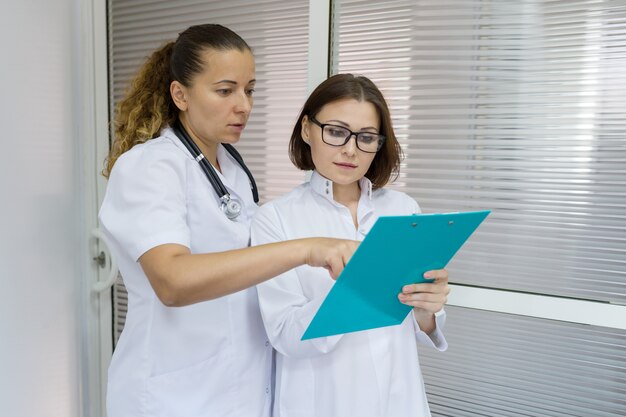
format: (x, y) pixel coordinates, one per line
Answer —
(101, 261)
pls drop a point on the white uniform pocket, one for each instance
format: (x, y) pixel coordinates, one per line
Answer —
(194, 391)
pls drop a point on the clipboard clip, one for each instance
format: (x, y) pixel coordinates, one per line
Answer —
(450, 223)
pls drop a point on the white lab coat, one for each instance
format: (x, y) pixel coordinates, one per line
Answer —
(372, 373)
(207, 359)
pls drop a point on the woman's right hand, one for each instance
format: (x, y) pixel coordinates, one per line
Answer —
(332, 254)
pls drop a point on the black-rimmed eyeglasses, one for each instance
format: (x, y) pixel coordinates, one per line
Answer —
(338, 136)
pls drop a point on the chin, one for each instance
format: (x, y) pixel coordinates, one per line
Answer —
(231, 140)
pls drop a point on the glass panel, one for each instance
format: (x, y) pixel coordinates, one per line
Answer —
(517, 107)
(505, 365)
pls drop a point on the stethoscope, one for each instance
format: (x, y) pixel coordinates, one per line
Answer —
(230, 206)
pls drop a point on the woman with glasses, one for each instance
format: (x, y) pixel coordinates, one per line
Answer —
(344, 134)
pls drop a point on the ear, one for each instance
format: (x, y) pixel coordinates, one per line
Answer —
(179, 95)
(304, 132)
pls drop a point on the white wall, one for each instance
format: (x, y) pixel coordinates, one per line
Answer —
(41, 220)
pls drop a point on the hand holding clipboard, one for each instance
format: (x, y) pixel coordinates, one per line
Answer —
(396, 252)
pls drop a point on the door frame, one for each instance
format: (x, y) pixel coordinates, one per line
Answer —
(93, 122)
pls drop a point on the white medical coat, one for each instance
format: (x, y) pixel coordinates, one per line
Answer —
(207, 359)
(372, 373)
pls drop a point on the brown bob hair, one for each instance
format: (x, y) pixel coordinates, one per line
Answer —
(386, 163)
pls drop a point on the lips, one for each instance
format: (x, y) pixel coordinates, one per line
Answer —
(345, 164)
(237, 127)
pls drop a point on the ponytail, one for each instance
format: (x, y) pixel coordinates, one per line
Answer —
(147, 107)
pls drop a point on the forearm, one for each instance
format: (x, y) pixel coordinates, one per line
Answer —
(186, 278)
(425, 320)
(431, 337)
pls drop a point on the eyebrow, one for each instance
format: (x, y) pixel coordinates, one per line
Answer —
(233, 82)
(348, 126)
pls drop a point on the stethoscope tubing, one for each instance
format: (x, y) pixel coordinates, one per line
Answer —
(195, 152)
(230, 206)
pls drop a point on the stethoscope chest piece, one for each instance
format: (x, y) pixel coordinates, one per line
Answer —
(231, 207)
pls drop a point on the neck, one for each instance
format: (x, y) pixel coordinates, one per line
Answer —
(209, 150)
(347, 194)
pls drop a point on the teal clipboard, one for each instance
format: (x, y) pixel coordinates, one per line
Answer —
(396, 252)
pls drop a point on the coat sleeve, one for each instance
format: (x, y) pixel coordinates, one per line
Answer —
(145, 204)
(436, 338)
(285, 309)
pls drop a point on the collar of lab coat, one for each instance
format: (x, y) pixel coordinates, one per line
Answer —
(324, 187)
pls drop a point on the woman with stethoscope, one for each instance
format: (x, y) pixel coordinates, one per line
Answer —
(177, 213)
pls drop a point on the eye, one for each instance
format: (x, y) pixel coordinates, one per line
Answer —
(368, 137)
(250, 91)
(224, 91)
(336, 131)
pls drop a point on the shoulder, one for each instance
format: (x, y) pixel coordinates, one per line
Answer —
(294, 196)
(273, 210)
(145, 157)
(159, 148)
(150, 169)
(394, 200)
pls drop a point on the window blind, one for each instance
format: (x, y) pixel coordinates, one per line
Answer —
(513, 106)
(120, 308)
(517, 107)
(506, 365)
(277, 32)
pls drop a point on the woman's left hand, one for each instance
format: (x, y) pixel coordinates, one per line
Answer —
(427, 297)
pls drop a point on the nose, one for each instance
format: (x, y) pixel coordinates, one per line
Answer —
(349, 148)
(244, 103)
